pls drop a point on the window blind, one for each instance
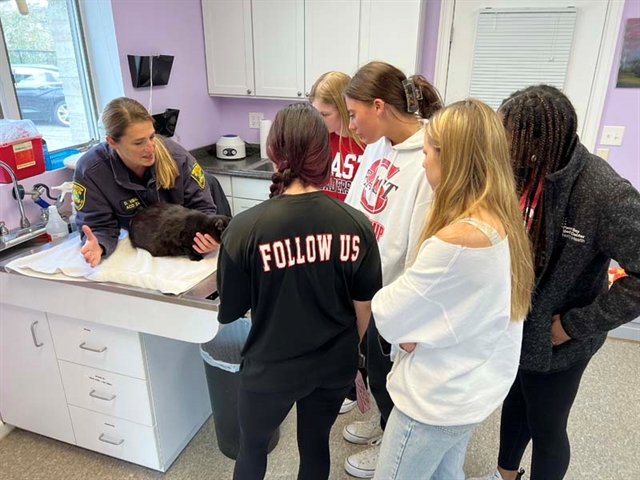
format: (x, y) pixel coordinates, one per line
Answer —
(516, 48)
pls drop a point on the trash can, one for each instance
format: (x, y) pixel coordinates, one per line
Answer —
(222, 366)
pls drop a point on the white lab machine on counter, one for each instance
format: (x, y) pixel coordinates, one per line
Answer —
(230, 147)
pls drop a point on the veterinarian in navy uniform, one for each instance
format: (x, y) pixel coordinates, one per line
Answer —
(307, 265)
(133, 169)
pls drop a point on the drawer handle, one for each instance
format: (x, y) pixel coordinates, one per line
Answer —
(83, 346)
(93, 394)
(33, 335)
(102, 438)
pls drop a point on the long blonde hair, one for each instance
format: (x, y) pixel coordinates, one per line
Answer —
(476, 174)
(122, 112)
(328, 89)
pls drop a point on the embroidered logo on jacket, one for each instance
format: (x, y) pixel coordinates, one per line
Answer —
(198, 175)
(131, 204)
(78, 195)
(572, 234)
(377, 186)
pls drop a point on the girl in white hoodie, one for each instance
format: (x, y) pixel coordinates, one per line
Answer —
(457, 311)
(388, 111)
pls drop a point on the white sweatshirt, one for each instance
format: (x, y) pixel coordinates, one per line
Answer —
(455, 303)
(391, 189)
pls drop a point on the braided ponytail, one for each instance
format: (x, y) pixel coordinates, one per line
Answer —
(299, 146)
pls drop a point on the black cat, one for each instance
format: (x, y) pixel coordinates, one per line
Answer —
(167, 230)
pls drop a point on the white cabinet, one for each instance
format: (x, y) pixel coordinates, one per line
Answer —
(115, 437)
(31, 392)
(391, 31)
(331, 29)
(133, 396)
(243, 193)
(99, 346)
(278, 46)
(229, 47)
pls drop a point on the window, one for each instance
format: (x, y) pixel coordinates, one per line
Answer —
(516, 48)
(49, 82)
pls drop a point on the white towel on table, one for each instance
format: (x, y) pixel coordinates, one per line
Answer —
(126, 265)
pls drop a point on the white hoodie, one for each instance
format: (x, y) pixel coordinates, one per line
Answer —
(391, 189)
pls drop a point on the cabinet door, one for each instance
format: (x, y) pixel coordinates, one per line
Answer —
(242, 204)
(229, 47)
(390, 31)
(331, 38)
(278, 39)
(31, 393)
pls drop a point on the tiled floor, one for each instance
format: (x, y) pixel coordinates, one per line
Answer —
(604, 429)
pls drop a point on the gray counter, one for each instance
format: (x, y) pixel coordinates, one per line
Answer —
(250, 167)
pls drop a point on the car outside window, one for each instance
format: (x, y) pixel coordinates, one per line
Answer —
(47, 60)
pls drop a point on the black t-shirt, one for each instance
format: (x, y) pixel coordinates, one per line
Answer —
(298, 262)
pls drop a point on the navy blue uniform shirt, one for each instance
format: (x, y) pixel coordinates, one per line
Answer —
(106, 197)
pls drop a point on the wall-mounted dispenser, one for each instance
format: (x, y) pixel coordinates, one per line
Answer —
(141, 70)
(165, 123)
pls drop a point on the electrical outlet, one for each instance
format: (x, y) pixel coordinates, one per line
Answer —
(603, 153)
(254, 119)
(612, 136)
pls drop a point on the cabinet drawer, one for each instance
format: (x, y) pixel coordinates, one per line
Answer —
(98, 346)
(105, 392)
(251, 188)
(242, 204)
(115, 437)
(225, 183)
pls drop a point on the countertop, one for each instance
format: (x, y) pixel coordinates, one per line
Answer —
(252, 166)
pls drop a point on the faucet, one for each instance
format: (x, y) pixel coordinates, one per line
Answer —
(24, 221)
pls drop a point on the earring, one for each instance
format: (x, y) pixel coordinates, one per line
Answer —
(533, 159)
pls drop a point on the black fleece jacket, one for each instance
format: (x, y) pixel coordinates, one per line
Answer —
(592, 216)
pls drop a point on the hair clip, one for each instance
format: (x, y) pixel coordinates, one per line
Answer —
(413, 95)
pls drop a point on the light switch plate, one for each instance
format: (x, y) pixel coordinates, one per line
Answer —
(612, 135)
(254, 119)
(603, 153)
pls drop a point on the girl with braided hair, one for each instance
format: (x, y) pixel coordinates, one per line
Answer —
(307, 265)
(580, 215)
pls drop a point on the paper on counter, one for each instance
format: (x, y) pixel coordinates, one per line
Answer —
(265, 126)
(126, 265)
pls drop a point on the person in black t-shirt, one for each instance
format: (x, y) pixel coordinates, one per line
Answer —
(307, 265)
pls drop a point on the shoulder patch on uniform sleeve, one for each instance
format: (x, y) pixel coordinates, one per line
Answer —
(198, 175)
(78, 195)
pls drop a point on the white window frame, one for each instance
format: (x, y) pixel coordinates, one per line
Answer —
(9, 106)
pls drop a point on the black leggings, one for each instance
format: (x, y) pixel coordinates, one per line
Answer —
(378, 367)
(537, 408)
(260, 414)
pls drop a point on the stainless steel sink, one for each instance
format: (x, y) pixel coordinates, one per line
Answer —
(265, 165)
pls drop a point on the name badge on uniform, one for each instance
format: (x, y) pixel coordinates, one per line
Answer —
(131, 204)
(198, 175)
(78, 195)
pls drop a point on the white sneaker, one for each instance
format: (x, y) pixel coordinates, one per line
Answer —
(363, 432)
(363, 464)
(348, 405)
(495, 475)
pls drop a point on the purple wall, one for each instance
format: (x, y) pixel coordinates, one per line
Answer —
(170, 28)
(622, 109)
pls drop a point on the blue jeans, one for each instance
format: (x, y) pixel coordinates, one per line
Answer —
(417, 451)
